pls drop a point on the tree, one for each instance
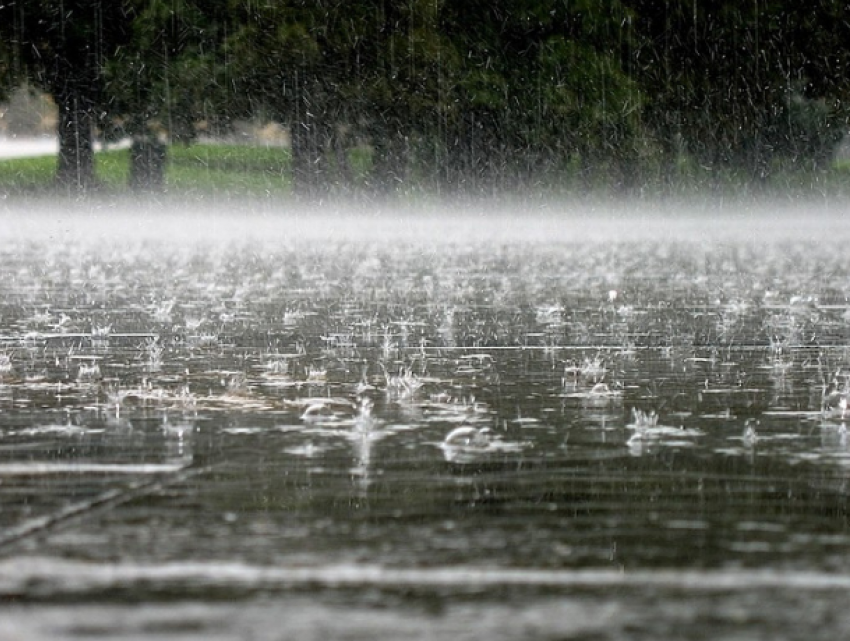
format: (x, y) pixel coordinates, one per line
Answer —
(61, 47)
(744, 86)
(158, 83)
(540, 85)
(276, 64)
(7, 71)
(463, 94)
(132, 67)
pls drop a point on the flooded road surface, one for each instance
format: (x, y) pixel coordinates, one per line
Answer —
(585, 429)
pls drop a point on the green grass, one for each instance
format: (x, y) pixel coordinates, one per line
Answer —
(228, 169)
(237, 170)
(192, 169)
(113, 168)
(27, 174)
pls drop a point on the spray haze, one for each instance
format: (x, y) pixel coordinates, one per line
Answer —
(506, 220)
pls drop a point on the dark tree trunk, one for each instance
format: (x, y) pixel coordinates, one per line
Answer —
(390, 159)
(458, 154)
(344, 172)
(309, 164)
(147, 164)
(75, 166)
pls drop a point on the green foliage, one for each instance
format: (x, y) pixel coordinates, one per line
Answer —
(751, 85)
(585, 96)
(458, 94)
(6, 69)
(158, 81)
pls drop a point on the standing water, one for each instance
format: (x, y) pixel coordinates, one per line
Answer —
(608, 424)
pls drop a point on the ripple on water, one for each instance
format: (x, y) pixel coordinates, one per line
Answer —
(314, 385)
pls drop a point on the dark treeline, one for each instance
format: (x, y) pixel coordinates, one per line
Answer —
(453, 95)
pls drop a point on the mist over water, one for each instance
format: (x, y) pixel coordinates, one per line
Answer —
(473, 220)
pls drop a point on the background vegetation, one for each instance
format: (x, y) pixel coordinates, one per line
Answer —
(448, 95)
